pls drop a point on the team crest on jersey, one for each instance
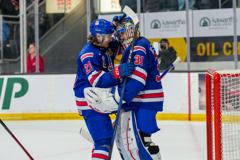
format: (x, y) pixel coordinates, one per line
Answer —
(104, 63)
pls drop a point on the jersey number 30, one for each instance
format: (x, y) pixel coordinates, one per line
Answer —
(138, 60)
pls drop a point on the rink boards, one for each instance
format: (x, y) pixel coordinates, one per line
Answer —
(27, 97)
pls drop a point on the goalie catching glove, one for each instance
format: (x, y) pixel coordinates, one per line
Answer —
(102, 100)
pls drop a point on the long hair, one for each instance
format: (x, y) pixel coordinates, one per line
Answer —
(95, 42)
(92, 39)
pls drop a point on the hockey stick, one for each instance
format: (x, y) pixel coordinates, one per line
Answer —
(129, 12)
(14, 137)
(172, 66)
(85, 134)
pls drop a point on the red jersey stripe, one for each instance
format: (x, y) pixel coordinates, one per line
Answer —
(140, 74)
(151, 95)
(93, 78)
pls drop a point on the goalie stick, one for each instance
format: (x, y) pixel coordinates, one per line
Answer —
(130, 13)
(14, 137)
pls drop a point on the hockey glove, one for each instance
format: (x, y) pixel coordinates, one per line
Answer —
(123, 70)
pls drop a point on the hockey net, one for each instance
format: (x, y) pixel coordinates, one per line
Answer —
(223, 114)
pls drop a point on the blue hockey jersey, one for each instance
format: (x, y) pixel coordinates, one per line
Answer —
(93, 66)
(143, 87)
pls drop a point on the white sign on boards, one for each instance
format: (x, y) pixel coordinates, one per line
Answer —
(165, 24)
(215, 22)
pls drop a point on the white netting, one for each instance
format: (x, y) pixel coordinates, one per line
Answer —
(230, 111)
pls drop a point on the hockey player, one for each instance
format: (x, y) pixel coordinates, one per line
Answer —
(95, 68)
(143, 97)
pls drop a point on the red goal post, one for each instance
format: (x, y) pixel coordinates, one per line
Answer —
(223, 114)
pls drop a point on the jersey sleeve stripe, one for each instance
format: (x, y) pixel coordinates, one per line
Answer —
(150, 96)
(139, 48)
(86, 55)
(138, 79)
(94, 77)
(140, 75)
(141, 70)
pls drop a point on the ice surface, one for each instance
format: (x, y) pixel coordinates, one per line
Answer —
(60, 140)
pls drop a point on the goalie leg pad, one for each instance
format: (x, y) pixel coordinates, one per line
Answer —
(125, 138)
(99, 125)
(133, 144)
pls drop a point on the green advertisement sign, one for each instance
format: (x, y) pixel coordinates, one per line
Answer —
(8, 94)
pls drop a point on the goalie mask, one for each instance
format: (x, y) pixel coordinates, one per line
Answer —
(125, 29)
